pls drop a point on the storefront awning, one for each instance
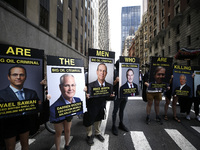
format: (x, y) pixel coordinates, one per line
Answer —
(187, 54)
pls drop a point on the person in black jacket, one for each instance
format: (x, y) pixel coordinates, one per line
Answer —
(119, 104)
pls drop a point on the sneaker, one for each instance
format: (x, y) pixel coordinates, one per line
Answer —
(198, 118)
(188, 117)
(148, 120)
(89, 140)
(114, 130)
(100, 137)
(67, 147)
(123, 127)
(158, 119)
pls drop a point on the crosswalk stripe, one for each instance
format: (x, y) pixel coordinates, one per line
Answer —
(139, 140)
(18, 145)
(196, 128)
(180, 140)
(62, 142)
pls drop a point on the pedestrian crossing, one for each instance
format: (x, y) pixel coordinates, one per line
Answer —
(139, 140)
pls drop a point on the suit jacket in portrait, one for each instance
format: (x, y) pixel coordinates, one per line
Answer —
(95, 84)
(60, 102)
(185, 88)
(125, 86)
(7, 95)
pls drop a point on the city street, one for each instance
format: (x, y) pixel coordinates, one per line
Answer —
(171, 135)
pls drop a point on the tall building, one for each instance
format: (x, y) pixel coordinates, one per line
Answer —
(103, 25)
(167, 27)
(130, 21)
(60, 27)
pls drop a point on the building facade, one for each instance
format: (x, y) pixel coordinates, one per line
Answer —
(167, 27)
(130, 21)
(60, 27)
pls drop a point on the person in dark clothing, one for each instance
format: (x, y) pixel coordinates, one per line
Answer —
(119, 104)
(96, 107)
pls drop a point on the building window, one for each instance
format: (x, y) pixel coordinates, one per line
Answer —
(168, 3)
(154, 22)
(81, 48)
(17, 4)
(188, 19)
(163, 53)
(177, 45)
(44, 14)
(189, 40)
(178, 29)
(156, 45)
(155, 32)
(150, 49)
(59, 18)
(163, 40)
(169, 34)
(168, 18)
(162, 12)
(177, 9)
(76, 39)
(69, 36)
(169, 49)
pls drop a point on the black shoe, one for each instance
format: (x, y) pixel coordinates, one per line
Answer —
(100, 137)
(89, 140)
(122, 127)
(67, 147)
(114, 130)
(148, 120)
(158, 119)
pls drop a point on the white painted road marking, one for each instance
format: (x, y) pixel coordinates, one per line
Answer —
(139, 141)
(196, 128)
(180, 140)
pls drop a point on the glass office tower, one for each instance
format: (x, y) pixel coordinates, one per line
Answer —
(130, 21)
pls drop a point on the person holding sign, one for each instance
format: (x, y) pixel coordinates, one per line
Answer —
(16, 92)
(96, 106)
(154, 93)
(68, 90)
(129, 88)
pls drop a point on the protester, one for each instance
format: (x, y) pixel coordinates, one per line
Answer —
(168, 95)
(155, 94)
(96, 106)
(119, 104)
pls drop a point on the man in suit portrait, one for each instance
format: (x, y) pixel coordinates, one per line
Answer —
(182, 94)
(124, 89)
(68, 90)
(100, 82)
(16, 92)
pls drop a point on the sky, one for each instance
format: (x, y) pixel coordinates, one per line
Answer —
(114, 12)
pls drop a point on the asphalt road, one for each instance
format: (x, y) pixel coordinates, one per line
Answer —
(171, 135)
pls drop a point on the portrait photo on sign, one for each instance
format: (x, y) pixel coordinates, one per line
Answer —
(66, 91)
(129, 79)
(182, 83)
(33, 75)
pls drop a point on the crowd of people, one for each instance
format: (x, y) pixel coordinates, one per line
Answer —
(95, 105)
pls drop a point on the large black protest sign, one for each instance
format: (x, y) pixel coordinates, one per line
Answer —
(128, 76)
(100, 75)
(66, 82)
(21, 73)
(160, 73)
(182, 81)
